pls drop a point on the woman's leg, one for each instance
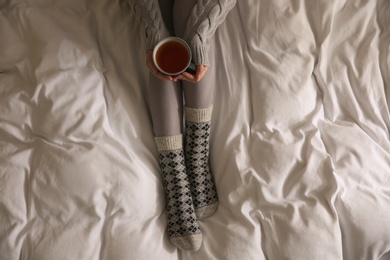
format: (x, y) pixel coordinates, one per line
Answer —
(166, 103)
(198, 109)
(166, 106)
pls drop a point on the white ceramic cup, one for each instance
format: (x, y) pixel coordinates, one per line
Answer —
(172, 56)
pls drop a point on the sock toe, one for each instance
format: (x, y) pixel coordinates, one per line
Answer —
(188, 243)
(206, 211)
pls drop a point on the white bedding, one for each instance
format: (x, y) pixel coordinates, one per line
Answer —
(300, 145)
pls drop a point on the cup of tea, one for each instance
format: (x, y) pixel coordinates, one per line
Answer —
(172, 56)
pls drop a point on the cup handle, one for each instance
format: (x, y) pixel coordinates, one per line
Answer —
(191, 68)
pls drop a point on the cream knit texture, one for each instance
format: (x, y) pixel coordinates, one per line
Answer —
(205, 18)
(149, 15)
(167, 143)
(196, 115)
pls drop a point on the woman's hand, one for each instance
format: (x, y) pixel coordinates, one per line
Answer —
(193, 78)
(154, 70)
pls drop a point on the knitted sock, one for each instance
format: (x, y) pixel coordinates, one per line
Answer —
(204, 193)
(183, 227)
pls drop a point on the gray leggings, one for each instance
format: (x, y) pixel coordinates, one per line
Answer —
(166, 97)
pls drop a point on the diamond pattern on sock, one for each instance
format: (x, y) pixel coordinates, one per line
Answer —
(180, 210)
(197, 160)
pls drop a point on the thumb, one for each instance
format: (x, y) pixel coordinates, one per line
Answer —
(200, 72)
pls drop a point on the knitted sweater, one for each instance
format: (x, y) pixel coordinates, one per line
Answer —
(205, 17)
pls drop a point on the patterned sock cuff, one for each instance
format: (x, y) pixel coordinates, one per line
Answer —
(196, 115)
(169, 142)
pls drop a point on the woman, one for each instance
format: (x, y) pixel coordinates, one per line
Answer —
(188, 183)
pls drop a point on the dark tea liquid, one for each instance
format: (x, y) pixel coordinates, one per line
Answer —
(172, 57)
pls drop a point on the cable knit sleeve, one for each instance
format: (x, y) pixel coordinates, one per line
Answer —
(149, 14)
(205, 17)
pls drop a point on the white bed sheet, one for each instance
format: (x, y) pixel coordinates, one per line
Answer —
(300, 145)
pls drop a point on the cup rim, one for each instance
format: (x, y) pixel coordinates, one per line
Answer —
(177, 39)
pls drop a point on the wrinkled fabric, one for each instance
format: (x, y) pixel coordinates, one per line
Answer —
(300, 147)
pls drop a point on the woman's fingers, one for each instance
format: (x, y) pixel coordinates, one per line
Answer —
(193, 78)
(187, 77)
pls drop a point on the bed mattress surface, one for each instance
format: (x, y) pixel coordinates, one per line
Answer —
(300, 147)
